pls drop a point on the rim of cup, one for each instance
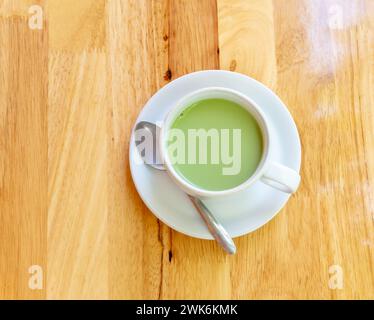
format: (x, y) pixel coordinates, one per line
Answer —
(214, 92)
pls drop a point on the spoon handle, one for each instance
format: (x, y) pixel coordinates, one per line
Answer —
(216, 229)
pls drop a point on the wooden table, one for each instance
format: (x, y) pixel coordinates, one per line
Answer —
(70, 93)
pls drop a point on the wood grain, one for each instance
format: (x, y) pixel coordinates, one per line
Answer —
(69, 96)
(246, 38)
(23, 157)
(193, 36)
(76, 25)
(77, 189)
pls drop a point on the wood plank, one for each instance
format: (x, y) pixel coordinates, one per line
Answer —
(137, 63)
(193, 47)
(247, 45)
(77, 157)
(23, 156)
(77, 177)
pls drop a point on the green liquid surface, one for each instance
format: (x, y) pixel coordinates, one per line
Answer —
(218, 172)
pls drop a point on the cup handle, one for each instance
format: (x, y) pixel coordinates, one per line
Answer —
(281, 178)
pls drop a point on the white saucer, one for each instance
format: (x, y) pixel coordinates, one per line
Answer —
(241, 213)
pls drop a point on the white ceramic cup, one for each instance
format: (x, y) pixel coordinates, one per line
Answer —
(273, 174)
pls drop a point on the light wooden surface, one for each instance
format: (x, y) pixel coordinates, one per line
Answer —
(70, 93)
